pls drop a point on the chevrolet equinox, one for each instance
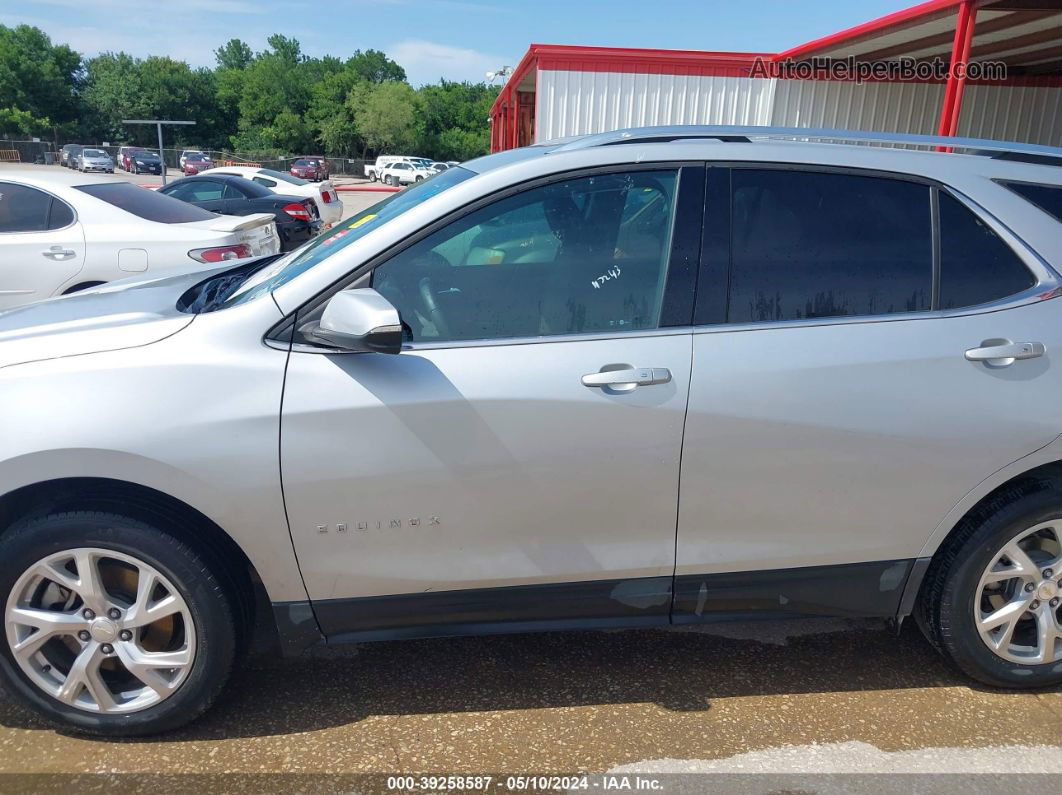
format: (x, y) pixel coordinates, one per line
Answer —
(647, 377)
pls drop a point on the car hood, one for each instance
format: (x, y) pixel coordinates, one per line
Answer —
(123, 314)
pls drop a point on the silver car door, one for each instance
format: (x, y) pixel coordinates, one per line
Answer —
(518, 462)
(42, 244)
(849, 403)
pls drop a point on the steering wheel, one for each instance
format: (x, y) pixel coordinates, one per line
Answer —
(431, 306)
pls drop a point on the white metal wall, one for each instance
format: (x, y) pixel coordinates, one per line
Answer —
(1013, 113)
(576, 103)
(895, 107)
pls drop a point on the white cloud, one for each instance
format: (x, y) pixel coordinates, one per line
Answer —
(428, 61)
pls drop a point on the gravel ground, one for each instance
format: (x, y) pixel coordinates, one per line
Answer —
(811, 696)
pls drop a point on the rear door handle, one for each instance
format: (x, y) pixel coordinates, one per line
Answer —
(1006, 353)
(628, 377)
(58, 253)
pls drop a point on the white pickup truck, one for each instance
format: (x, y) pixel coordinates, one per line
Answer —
(375, 171)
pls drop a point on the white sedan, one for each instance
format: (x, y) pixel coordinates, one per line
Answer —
(62, 232)
(329, 207)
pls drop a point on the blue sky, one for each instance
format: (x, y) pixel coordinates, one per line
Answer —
(455, 39)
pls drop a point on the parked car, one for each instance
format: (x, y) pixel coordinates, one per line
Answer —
(66, 152)
(68, 155)
(296, 217)
(145, 162)
(329, 205)
(94, 160)
(189, 153)
(63, 233)
(374, 170)
(609, 382)
(438, 166)
(405, 173)
(192, 164)
(124, 159)
(314, 169)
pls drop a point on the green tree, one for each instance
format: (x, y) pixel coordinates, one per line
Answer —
(329, 115)
(234, 54)
(288, 133)
(38, 82)
(373, 66)
(119, 86)
(110, 94)
(385, 114)
(271, 84)
(453, 121)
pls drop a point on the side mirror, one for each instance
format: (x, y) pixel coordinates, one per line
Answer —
(359, 321)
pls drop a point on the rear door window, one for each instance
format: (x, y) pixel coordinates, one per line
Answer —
(147, 204)
(23, 209)
(976, 265)
(809, 245)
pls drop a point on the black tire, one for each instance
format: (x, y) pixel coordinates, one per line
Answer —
(211, 606)
(945, 610)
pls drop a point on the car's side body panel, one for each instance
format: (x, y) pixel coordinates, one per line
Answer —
(207, 435)
(478, 467)
(849, 442)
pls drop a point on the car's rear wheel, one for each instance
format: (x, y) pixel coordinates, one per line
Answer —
(112, 626)
(992, 602)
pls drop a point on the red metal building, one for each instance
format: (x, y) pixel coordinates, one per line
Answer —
(558, 91)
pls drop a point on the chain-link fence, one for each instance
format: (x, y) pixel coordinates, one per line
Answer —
(43, 152)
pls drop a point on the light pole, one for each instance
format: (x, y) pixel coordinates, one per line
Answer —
(158, 123)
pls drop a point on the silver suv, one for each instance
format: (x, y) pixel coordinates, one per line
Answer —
(650, 377)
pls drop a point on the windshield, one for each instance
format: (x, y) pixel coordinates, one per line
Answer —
(93, 153)
(258, 283)
(146, 156)
(304, 163)
(283, 177)
(197, 157)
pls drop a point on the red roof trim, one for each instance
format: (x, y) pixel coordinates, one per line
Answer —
(625, 53)
(923, 12)
(522, 68)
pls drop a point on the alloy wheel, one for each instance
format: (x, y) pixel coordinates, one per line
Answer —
(1017, 602)
(100, 631)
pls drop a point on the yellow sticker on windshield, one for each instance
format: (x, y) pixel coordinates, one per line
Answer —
(362, 221)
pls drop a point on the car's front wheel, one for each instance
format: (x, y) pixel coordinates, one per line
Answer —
(992, 601)
(112, 626)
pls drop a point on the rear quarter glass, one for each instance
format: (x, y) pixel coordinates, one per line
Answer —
(1047, 197)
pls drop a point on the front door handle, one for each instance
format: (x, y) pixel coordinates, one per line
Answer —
(1004, 352)
(628, 377)
(58, 253)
